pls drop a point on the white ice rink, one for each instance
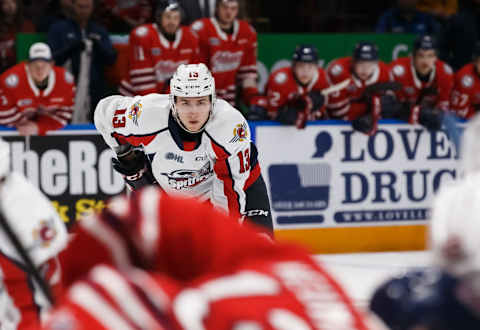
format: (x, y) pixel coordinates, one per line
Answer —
(361, 273)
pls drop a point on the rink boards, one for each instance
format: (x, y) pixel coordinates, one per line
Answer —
(332, 189)
(337, 190)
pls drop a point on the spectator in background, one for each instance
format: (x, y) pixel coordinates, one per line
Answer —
(457, 39)
(157, 49)
(37, 96)
(12, 22)
(229, 47)
(122, 16)
(197, 9)
(56, 10)
(441, 9)
(465, 98)
(85, 48)
(294, 93)
(405, 18)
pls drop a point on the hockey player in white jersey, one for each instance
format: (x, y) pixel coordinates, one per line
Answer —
(27, 284)
(187, 142)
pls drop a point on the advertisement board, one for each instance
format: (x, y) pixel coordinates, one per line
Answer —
(338, 190)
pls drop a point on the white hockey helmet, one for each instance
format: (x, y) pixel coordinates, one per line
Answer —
(192, 80)
(4, 158)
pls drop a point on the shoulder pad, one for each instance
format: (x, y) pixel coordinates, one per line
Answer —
(228, 126)
(69, 77)
(147, 114)
(467, 81)
(398, 70)
(336, 69)
(447, 68)
(197, 25)
(12, 80)
(141, 31)
(280, 77)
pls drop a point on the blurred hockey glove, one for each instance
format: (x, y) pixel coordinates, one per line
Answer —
(430, 118)
(368, 122)
(258, 109)
(317, 99)
(135, 167)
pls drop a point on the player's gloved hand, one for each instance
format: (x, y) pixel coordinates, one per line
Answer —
(258, 108)
(391, 108)
(317, 99)
(430, 118)
(368, 122)
(133, 164)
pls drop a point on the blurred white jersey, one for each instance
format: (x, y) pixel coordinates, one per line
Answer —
(219, 168)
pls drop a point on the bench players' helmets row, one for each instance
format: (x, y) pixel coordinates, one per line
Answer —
(305, 53)
(365, 51)
(191, 80)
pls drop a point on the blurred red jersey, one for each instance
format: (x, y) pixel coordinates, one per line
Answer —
(231, 273)
(153, 59)
(283, 87)
(465, 99)
(230, 57)
(20, 99)
(433, 93)
(348, 103)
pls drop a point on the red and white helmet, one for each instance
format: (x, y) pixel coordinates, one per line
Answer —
(191, 80)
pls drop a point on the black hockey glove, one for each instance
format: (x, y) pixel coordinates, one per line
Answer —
(317, 99)
(431, 118)
(368, 122)
(135, 167)
(392, 108)
(257, 112)
(287, 114)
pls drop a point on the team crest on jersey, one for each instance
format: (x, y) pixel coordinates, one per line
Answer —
(447, 68)
(12, 80)
(240, 133)
(398, 70)
(336, 70)
(280, 77)
(141, 31)
(181, 179)
(45, 233)
(156, 51)
(24, 102)
(467, 81)
(214, 41)
(135, 112)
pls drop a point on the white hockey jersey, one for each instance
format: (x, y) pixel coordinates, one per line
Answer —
(219, 169)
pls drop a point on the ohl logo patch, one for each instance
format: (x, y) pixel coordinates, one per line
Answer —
(135, 112)
(240, 133)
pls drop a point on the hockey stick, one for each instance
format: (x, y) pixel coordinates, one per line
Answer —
(335, 88)
(31, 269)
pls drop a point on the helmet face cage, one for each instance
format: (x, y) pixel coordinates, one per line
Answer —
(192, 80)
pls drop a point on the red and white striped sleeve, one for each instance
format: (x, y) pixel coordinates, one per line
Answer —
(141, 71)
(9, 114)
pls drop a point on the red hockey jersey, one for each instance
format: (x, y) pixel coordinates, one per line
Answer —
(465, 98)
(347, 103)
(230, 57)
(228, 271)
(417, 92)
(153, 59)
(21, 99)
(282, 87)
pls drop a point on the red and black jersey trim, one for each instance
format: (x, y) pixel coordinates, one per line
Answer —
(136, 139)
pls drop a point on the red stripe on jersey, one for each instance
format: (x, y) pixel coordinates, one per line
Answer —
(222, 169)
(136, 140)
(254, 174)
